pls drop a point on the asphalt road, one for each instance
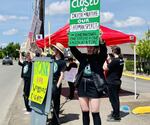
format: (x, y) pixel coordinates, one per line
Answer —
(9, 83)
(143, 86)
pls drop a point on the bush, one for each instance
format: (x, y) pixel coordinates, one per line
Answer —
(129, 65)
(146, 68)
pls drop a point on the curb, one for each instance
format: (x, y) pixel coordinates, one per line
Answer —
(137, 76)
(141, 110)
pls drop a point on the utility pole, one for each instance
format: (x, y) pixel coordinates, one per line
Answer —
(42, 15)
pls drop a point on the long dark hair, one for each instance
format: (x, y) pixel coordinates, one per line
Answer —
(62, 56)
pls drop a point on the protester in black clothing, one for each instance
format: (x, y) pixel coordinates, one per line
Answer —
(89, 90)
(26, 75)
(72, 64)
(115, 69)
(59, 68)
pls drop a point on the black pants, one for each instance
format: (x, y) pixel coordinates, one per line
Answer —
(72, 89)
(114, 99)
(26, 92)
(56, 92)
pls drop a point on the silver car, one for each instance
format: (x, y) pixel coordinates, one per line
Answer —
(7, 60)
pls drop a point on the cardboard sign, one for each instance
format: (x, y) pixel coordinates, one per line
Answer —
(40, 81)
(70, 75)
(84, 22)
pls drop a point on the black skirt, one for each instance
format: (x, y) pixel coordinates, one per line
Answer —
(87, 89)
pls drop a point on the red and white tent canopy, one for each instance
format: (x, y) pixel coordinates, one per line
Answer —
(110, 36)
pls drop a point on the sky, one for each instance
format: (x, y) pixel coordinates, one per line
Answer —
(128, 16)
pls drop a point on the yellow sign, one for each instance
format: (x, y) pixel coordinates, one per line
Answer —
(40, 81)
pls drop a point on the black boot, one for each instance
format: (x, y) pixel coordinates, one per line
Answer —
(96, 118)
(85, 118)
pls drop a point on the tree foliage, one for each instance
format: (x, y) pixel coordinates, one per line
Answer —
(143, 47)
(143, 51)
(10, 50)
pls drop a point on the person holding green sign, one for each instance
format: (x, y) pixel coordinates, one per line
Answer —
(59, 68)
(90, 80)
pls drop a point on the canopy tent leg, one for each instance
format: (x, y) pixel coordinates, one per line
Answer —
(135, 84)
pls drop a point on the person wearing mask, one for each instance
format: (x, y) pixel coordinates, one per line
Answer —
(72, 64)
(89, 89)
(114, 72)
(59, 68)
(26, 75)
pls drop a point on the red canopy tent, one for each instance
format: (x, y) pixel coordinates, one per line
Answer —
(110, 36)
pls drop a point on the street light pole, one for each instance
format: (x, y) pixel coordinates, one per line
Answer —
(42, 15)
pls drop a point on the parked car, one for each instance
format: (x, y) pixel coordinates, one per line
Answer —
(7, 60)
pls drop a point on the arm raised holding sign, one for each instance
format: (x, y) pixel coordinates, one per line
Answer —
(26, 75)
(92, 80)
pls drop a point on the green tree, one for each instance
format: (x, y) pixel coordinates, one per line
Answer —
(147, 35)
(1, 54)
(16, 53)
(10, 50)
(143, 51)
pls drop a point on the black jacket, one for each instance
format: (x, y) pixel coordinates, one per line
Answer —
(96, 61)
(26, 74)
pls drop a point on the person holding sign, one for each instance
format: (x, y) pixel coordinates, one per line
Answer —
(72, 64)
(59, 68)
(26, 75)
(92, 81)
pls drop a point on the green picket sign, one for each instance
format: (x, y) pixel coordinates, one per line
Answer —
(84, 22)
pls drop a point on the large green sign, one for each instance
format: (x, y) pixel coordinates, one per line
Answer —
(84, 22)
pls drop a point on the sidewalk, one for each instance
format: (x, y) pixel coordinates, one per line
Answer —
(71, 113)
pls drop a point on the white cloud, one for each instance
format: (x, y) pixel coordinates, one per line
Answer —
(130, 21)
(58, 8)
(23, 18)
(106, 17)
(4, 18)
(10, 32)
(63, 8)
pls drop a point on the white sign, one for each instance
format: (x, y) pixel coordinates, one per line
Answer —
(36, 25)
(33, 26)
(39, 36)
(70, 75)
